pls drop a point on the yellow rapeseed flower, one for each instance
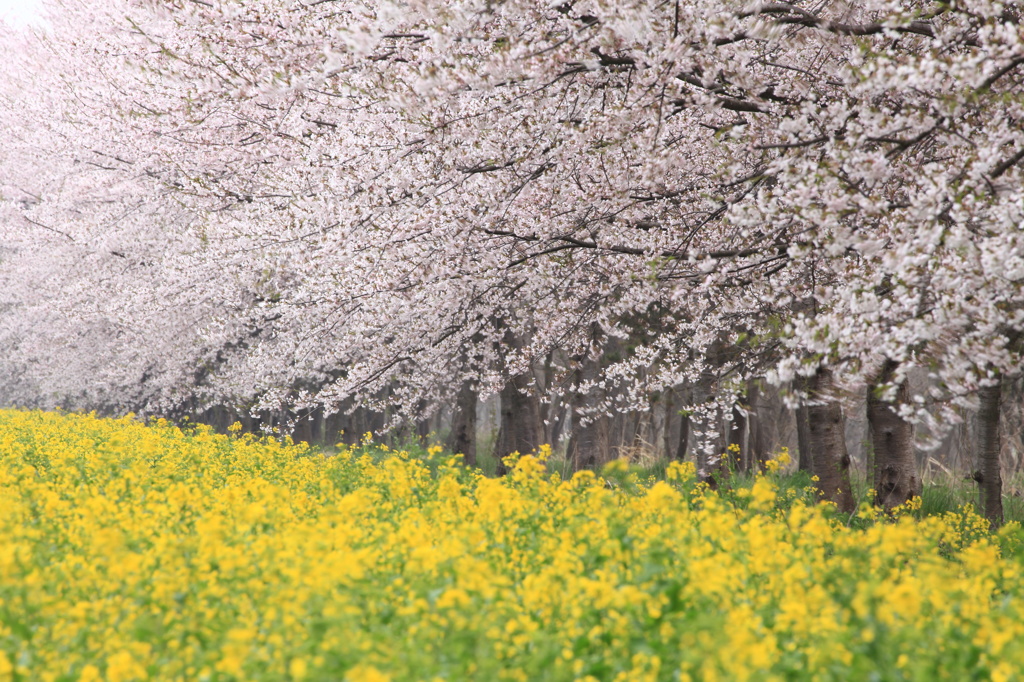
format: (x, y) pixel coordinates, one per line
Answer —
(132, 552)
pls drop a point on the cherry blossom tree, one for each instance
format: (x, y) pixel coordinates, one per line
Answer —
(398, 203)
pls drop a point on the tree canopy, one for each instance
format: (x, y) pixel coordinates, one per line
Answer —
(275, 202)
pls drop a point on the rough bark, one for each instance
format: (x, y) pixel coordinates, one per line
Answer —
(572, 418)
(894, 476)
(320, 426)
(303, 431)
(684, 438)
(805, 460)
(666, 434)
(520, 422)
(679, 448)
(989, 477)
(520, 429)
(827, 430)
(463, 434)
(803, 439)
(618, 429)
(422, 425)
(336, 428)
(763, 425)
(591, 446)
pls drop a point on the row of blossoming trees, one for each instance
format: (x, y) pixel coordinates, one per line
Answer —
(405, 206)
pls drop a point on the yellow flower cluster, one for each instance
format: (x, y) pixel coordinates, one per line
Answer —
(774, 466)
(133, 552)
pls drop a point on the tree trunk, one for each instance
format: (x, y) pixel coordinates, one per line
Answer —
(303, 431)
(462, 439)
(591, 445)
(676, 449)
(542, 376)
(319, 422)
(572, 443)
(684, 438)
(560, 414)
(519, 427)
(737, 450)
(336, 429)
(989, 478)
(805, 459)
(803, 439)
(762, 425)
(422, 425)
(520, 422)
(895, 477)
(710, 443)
(552, 423)
(827, 430)
(666, 434)
(619, 433)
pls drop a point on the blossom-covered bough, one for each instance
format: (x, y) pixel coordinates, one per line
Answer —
(277, 203)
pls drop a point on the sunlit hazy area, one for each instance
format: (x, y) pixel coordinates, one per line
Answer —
(19, 12)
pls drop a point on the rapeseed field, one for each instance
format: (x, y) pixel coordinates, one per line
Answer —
(135, 552)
